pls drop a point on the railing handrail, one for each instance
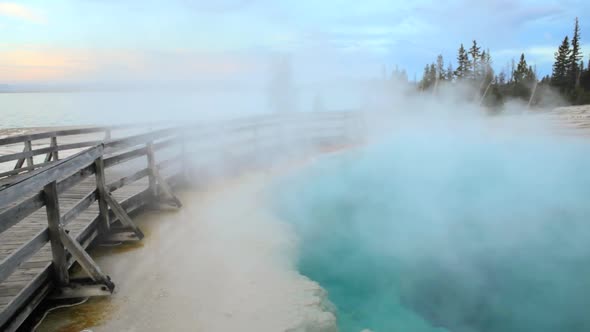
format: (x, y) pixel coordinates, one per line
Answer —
(48, 134)
(60, 169)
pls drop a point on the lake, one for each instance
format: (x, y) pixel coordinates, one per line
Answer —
(108, 108)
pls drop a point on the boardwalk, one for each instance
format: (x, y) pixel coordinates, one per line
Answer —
(65, 194)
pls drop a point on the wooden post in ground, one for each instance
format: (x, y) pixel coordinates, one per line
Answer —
(29, 147)
(163, 186)
(55, 154)
(52, 154)
(84, 259)
(152, 166)
(57, 249)
(102, 192)
(119, 211)
(185, 159)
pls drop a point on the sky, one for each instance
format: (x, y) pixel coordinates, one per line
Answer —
(69, 41)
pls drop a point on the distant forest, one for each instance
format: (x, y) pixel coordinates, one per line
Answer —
(569, 77)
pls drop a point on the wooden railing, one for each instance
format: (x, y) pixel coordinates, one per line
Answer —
(239, 142)
(43, 148)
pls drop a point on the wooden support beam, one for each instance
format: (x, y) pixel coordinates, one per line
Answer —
(82, 257)
(103, 207)
(29, 147)
(76, 290)
(53, 154)
(122, 215)
(185, 157)
(57, 248)
(119, 237)
(20, 162)
(163, 185)
(151, 159)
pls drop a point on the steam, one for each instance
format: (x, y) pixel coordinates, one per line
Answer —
(450, 219)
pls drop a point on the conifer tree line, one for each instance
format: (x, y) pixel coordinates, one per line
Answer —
(518, 79)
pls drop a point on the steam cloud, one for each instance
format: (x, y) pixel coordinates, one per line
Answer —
(449, 221)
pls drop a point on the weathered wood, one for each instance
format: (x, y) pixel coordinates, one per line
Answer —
(84, 259)
(151, 160)
(123, 157)
(166, 143)
(114, 185)
(74, 194)
(163, 185)
(119, 237)
(28, 309)
(80, 207)
(88, 233)
(54, 154)
(57, 247)
(80, 290)
(75, 178)
(60, 169)
(14, 260)
(122, 215)
(77, 145)
(139, 139)
(24, 295)
(101, 194)
(169, 162)
(48, 134)
(24, 169)
(29, 147)
(27, 154)
(20, 162)
(13, 215)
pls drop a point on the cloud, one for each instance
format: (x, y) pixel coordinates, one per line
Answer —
(21, 12)
(69, 64)
(536, 54)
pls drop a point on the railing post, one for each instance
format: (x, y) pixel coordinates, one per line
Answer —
(20, 162)
(102, 192)
(57, 248)
(152, 169)
(185, 159)
(55, 153)
(28, 148)
(52, 154)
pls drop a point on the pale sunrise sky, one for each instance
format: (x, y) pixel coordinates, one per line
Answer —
(105, 40)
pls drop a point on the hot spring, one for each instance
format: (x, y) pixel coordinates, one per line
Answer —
(452, 230)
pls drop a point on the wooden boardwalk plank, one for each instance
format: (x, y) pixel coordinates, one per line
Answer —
(22, 232)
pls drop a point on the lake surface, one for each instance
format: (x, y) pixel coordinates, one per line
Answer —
(107, 108)
(448, 231)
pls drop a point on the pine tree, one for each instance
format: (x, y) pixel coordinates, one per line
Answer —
(462, 64)
(433, 73)
(440, 68)
(501, 78)
(512, 70)
(522, 70)
(424, 84)
(450, 73)
(575, 57)
(487, 72)
(474, 51)
(559, 76)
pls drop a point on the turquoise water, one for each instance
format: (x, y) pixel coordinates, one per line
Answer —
(448, 232)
